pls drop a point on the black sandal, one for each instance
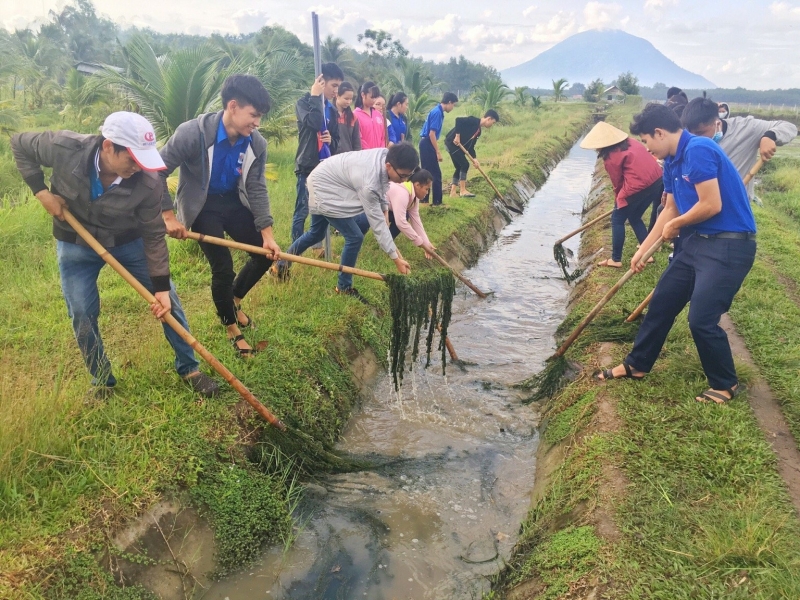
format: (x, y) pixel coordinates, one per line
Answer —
(243, 352)
(249, 324)
(608, 374)
(712, 397)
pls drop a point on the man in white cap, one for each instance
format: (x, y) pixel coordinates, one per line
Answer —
(109, 182)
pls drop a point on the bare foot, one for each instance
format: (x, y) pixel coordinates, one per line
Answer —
(609, 263)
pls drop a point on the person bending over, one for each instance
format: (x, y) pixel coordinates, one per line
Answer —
(705, 198)
(466, 132)
(743, 139)
(108, 182)
(343, 187)
(221, 189)
(636, 179)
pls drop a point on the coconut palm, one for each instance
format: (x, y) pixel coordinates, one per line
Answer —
(416, 81)
(521, 95)
(490, 93)
(37, 63)
(559, 88)
(536, 101)
(82, 95)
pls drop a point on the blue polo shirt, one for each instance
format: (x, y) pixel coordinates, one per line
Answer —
(700, 159)
(433, 122)
(226, 166)
(397, 129)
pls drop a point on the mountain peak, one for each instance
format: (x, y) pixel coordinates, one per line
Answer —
(603, 53)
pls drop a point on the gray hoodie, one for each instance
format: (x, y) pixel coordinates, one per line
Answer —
(345, 185)
(742, 138)
(191, 148)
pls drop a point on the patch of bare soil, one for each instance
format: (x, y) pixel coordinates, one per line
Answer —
(770, 418)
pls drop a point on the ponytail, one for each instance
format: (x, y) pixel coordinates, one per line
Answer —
(370, 88)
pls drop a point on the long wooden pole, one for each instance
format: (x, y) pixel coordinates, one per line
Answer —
(488, 180)
(584, 227)
(172, 322)
(209, 239)
(640, 309)
(610, 294)
(458, 275)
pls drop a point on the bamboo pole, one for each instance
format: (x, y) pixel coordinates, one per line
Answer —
(584, 227)
(172, 322)
(488, 180)
(458, 275)
(640, 309)
(283, 256)
(610, 294)
(753, 171)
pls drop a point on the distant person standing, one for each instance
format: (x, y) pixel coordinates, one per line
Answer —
(318, 136)
(371, 122)
(430, 157)
(398, 128)
(349, 133)
(466, 132)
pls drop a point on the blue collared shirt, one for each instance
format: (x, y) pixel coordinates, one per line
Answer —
(94, 179)
(397, 129)
(700, 159)
(433, 122)
(226, 167)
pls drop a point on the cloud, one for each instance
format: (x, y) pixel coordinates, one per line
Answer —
(249, 20)
(658, 5)
(561, 25)
(597, 15)
(527, 12)
(784, 10)
(445, 30)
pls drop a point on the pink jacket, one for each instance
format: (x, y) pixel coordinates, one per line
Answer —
(372, 127)
(631, 171)
(406, 213)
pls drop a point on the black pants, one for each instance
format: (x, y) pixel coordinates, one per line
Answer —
(428, 161)
(461, 163)
(226, 214)
(707, 273)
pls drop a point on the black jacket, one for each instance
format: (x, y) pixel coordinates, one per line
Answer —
(309, 123)
(469, 128)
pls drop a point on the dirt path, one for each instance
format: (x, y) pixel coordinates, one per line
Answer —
(770, 418)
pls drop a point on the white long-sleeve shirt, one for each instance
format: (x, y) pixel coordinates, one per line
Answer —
(345, 185)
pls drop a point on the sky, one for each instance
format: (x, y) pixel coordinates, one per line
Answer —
(749, 43)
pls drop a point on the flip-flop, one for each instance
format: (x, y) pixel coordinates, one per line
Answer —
(467, 195)
(712, 397)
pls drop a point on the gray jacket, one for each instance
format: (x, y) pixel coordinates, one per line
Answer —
(125, 213)
(345, 185)
(191, 148)
(742, 138)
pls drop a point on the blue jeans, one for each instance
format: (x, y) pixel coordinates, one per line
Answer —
(79, 267)
(353, 238)
(637, 205)
(707, 273)
(300, 207)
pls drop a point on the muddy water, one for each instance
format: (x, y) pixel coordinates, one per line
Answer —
(437, 522)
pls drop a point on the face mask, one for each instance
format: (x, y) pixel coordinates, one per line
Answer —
(723, 115)
(717, 137)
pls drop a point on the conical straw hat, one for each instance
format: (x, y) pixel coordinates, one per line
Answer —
(603, 135)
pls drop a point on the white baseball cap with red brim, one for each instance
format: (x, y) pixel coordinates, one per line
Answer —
(136, 134)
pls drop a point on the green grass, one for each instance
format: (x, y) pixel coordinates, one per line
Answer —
(698, 507)
(71, 474)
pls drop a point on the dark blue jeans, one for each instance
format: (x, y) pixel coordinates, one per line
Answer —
(79, 267)
(707, 273)
(300, 207)
(353, 238)
(428, 160)
(632, 213)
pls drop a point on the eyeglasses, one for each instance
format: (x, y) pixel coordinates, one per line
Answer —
(404, 176)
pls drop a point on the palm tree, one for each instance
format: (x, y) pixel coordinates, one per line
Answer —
(169, 89)
(559, 87)
(490, 93)
(417, 83)
(38, 63)
(521, 95)
(536, 101)
(81, 95)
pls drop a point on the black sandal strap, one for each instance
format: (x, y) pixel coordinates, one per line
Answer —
(238, 338)
(628, 372)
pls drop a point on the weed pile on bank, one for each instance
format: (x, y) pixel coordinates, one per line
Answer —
(644, 493)
(72, 474)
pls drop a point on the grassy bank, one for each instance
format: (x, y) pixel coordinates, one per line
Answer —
(72, 474)
(645, 493)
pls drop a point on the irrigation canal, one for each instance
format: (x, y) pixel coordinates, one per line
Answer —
(438, 523)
